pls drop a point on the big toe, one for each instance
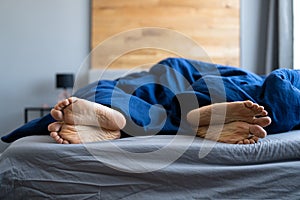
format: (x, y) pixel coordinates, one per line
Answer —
(54, 127)
(262, 121)
(119, 120)
(57, 111)
(257, 130)
(57, 114)
(248, 104)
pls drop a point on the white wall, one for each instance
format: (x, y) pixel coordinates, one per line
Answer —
(38, 38)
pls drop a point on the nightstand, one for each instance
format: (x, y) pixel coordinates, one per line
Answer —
(41, 111)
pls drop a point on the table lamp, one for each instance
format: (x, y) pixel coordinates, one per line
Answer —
(64, 81)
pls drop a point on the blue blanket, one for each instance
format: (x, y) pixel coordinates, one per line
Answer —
(156, 101)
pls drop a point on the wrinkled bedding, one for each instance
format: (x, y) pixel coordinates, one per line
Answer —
(36, 168)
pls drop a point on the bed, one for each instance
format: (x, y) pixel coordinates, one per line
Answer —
(37, 168)
(149, 167)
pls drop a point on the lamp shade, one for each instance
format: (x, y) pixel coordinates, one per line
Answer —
(64, 80)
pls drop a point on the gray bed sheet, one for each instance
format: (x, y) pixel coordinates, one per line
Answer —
(37, 168)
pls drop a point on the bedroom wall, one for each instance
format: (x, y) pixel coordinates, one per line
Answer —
(37, 39)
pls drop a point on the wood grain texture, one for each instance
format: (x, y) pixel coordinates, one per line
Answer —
(212, 24)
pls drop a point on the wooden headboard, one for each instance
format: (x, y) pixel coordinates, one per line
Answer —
(213, 24)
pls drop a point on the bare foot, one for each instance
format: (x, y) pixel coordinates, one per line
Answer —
(81, 121)
(233, 132)
(227, 112)
(75, 134)
(82, 112)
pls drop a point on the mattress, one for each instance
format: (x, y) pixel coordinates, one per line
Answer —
(152, 167)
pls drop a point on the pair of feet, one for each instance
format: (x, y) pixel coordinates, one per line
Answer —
(238, 122)
(81, 121)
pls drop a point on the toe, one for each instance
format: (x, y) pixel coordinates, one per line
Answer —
(240, 142)
(260, 109)
(246, 141)
(56, 137)
(257, 130)
(248, 103)
(65, 142)
(53, 134)
(261, 112)
(62, 105)
(264, 113)
(255, 107)
(251, 141)
(255, 139)
(262, 121)
(193, 117)
(60, 140)
(65, 103)
(57, 114)
(54, 127)
(72, 100)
